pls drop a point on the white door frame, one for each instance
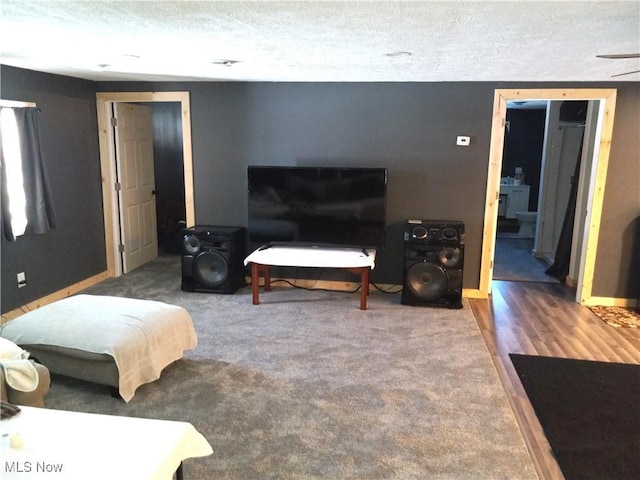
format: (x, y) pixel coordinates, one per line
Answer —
(107, 163)
(596, 187)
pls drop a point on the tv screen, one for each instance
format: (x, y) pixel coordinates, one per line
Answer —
(323, 206)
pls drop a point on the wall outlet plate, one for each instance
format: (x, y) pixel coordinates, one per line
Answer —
(463, 141)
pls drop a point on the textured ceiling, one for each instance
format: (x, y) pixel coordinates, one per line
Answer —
(323, 41)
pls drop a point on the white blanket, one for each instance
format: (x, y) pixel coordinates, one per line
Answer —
(143, 336)
(313, 257)
(19, 372)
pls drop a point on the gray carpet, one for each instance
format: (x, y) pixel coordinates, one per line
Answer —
(307, 386)
(514, 262)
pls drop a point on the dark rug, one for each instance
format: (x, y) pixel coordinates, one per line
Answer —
(589, 413)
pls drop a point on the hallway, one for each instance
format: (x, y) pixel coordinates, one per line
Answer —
(513, 261)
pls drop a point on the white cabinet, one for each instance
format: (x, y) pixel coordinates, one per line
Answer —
(513, 198)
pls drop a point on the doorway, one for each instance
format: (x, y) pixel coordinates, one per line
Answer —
(545, 142)
(593, 187)
(104, 100)
(135, 188)
(525, 129)
(169, 174)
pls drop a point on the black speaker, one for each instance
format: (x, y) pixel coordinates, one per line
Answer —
(433, 263)
(212, 259)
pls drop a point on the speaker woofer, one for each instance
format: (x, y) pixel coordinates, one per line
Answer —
(190, 245)
(427, 281)
(210, 269)
(450, 257)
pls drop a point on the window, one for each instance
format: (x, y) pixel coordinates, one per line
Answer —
(12, 171)
(27, 207)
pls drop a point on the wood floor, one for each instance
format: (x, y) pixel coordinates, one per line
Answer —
(543, 319)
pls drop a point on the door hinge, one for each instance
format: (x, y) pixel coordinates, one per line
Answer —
(121, 248)
(117, 186)
(114, 122)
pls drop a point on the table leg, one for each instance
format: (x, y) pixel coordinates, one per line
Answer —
(255, 280)
(364, 288)
(368, 272)
(267, 278)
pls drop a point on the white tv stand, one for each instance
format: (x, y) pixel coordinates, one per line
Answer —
(358, 259)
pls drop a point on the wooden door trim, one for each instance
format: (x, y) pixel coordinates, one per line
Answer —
(596, 190)
(107, 161)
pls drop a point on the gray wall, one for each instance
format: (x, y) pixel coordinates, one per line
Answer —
(403, 127)
(410, 128)
(618, 262)
(69, 133)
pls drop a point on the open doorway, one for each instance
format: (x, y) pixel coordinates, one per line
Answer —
(524, 139)
(592, 188)
(169, 174)
(545, 143)
(108, 164)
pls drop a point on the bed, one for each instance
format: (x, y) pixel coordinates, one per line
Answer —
(114, 341)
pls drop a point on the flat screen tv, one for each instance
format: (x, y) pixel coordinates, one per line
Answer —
(318, 206)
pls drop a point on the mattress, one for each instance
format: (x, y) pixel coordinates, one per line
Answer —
(85, 335)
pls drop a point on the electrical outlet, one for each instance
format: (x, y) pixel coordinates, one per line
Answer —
(22, 280)
(463, 141)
